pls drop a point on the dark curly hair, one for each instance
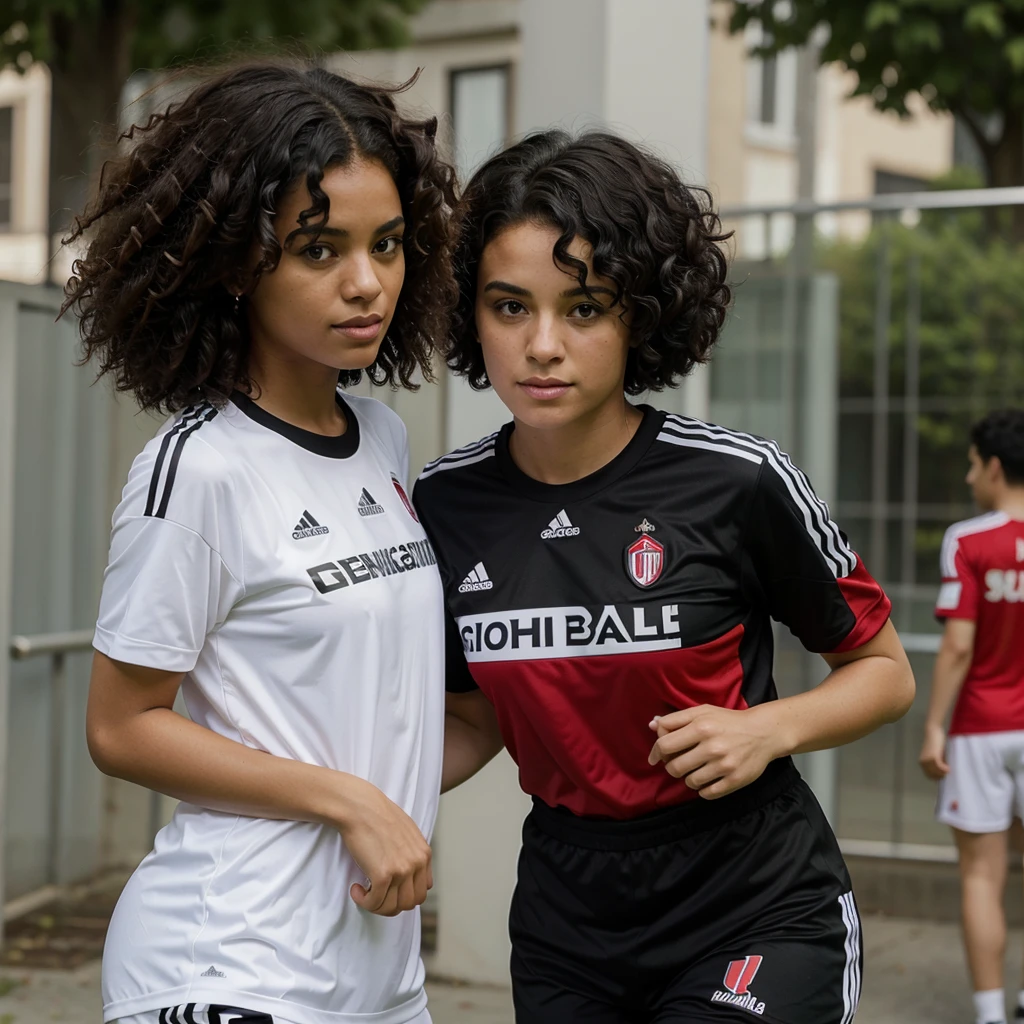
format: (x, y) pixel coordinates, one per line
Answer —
(654, 237)
(1001, 434)
(176, 220)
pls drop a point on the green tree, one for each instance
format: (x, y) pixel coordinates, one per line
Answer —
(962, 56)
(93, 46)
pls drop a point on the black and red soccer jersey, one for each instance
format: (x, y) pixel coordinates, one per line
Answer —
(983, 581)
(584, 609)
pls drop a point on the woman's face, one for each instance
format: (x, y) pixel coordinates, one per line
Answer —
(553, 353)
(332, 296)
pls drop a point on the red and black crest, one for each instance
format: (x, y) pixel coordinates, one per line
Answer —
(645, 560)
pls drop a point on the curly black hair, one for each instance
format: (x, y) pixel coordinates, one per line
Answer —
(176, 220)
(657, 239)
(1001, 434)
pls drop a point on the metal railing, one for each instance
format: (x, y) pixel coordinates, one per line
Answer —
(57, 647)
(893, 202)
(891, 404)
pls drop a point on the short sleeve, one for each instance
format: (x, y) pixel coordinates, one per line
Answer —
(173, 577)
(812, 580)
(457, 677)
(959, 593)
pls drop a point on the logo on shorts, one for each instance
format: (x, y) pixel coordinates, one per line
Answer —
(738, 977)
(645, 558)
(212, 972)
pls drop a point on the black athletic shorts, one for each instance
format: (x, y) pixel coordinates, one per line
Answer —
(725, 910)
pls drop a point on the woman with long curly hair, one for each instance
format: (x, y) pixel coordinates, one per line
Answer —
(611, 573)
(278, 232)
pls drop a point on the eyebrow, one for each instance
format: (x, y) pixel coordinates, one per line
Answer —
(311, 229)
(572, 293)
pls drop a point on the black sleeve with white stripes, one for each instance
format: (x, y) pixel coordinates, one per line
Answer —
(804, 567)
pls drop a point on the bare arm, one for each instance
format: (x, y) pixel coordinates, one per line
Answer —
(471, 737)
(134, 733)
(951, 667)
(718, 750)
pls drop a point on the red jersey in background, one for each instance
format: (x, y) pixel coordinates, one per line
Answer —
(983, 581)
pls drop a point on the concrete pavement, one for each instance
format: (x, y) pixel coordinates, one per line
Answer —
(914, 974)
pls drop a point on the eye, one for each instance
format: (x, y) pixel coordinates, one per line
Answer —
(388, 246)
(510, 307)
(588, 311)
(317, 252)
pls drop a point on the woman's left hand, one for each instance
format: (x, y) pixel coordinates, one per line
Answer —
(716, 750)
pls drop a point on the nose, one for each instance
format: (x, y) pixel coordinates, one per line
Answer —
(360, 284)
(545, 345)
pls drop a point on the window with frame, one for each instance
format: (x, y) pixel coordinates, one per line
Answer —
(6, 166)
(480, 115)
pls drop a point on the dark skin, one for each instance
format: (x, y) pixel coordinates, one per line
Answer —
(351, 275)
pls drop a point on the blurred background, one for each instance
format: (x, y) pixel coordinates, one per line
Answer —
(868, 155)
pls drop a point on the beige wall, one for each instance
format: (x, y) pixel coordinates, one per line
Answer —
(23, 249)
(450, 35)
(748, 165)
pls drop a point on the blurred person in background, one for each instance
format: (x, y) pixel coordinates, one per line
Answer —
(979, 674)
(611, 573)
(277, 232)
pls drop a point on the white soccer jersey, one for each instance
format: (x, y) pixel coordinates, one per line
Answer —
(286, 574)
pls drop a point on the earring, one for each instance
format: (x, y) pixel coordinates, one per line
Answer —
(238, 303)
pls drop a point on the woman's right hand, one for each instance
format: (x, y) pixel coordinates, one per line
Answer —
(933, 753)
(135, 734)
(389, 849)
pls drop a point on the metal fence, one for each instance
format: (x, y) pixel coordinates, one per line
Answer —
(54, 508)
(866, 337)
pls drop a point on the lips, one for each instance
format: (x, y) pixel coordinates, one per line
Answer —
(360, 328)
(544, 388)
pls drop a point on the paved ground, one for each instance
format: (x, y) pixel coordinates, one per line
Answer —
(914, 975)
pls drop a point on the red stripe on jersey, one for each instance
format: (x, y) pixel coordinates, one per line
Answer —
(578, 727)
(869, 605)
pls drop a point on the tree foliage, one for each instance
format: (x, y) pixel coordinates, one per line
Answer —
(164, 32)
(93, 46)
(963, 56)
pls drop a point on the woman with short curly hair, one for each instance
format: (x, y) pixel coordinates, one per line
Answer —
(278, 232)
(611, 573)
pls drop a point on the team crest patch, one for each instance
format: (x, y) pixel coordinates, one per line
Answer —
(405, 498)
(645, 558)
(736, 985)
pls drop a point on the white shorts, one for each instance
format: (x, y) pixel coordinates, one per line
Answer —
(198, 1013)
(984, 790)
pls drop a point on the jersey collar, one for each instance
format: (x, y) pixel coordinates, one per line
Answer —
(597, 481)
(341, 447)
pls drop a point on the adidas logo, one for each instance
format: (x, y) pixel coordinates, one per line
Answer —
(213, 973)
(476, 580)
(367, 506)
(307, 526)
(560, 526)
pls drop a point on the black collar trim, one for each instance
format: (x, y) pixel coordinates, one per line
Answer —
(343, 446)
(578, 490)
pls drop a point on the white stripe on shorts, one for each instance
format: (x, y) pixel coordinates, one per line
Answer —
(851, 972)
